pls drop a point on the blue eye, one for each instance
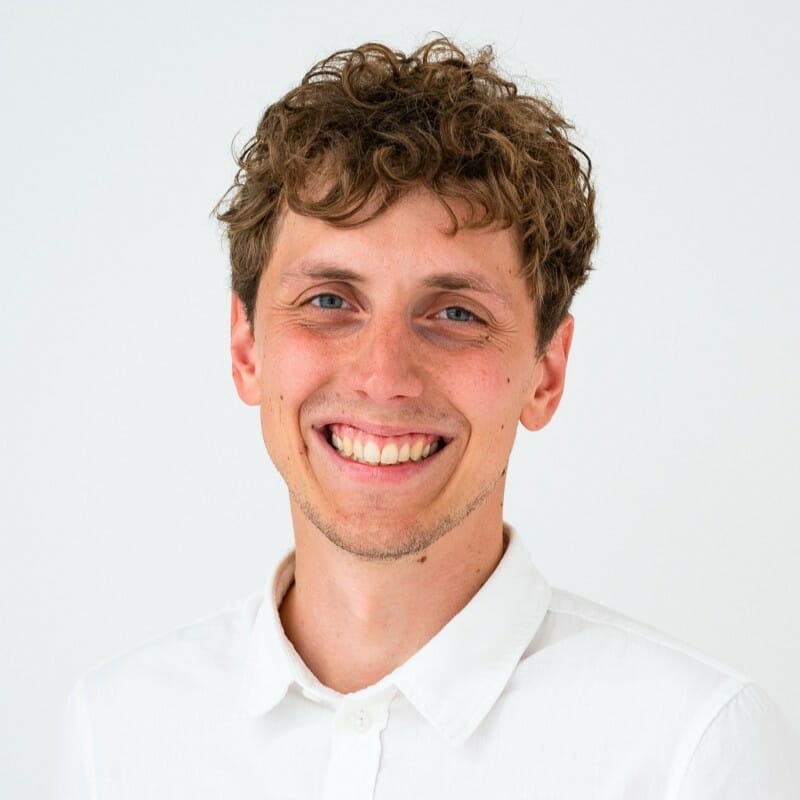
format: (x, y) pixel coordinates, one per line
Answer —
(330, 301)
(458, 314)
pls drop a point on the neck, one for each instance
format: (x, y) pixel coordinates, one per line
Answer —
(353, 621)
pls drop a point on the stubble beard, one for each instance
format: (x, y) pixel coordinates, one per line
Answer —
(372, 544)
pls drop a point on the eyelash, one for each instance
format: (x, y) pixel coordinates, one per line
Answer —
(316, 301)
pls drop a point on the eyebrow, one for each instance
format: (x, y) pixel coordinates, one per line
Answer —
(453, 281)
(320, 272)
(458, 281)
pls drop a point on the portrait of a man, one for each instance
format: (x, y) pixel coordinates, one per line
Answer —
(407, 232)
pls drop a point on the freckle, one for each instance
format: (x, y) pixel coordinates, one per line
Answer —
(478, 571)
(422, 560)
(281, 396)
(508, 380)
(502, 427)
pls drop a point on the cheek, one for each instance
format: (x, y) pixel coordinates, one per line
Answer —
(486, 391)
(292, 366)
(486, 386)
(291, 371)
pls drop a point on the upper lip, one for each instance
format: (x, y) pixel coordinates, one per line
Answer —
(386, 430)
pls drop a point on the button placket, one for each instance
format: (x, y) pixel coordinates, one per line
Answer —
(356, 747)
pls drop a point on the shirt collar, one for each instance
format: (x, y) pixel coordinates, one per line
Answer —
(452, 681)
(456, 678)
(272, 664)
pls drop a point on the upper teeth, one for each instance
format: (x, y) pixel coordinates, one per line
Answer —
(370, 453)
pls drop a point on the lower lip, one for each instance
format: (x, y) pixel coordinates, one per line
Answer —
(369, 473)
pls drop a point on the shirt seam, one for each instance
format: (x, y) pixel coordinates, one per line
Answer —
(676, 647)
(729, 694)
(175, 631)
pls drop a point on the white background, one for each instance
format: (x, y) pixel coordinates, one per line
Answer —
(136, 495)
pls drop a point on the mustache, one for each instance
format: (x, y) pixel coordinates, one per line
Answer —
(403, 412)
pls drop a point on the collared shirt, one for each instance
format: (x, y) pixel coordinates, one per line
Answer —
(529, 692)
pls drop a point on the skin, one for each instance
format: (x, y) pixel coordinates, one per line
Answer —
(395, 323)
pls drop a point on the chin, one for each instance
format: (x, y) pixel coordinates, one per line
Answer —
(372, 540)
(378, 540)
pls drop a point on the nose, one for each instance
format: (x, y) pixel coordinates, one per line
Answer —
(386, 363)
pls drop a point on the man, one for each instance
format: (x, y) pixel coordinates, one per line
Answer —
(406, 236)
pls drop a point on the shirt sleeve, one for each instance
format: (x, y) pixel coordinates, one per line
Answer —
(748, 752)
(74, 773)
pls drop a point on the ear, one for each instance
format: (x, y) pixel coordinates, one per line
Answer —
(244, 360)
(547, 384)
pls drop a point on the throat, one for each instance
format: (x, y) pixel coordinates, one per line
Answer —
(354, 622)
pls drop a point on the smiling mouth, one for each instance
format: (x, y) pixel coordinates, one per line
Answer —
(367, 448)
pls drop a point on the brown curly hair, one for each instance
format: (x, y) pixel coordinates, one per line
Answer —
(376, 123)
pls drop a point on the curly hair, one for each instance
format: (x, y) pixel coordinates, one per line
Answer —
(377, 123)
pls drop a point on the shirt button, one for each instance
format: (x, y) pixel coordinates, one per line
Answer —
(361, 720)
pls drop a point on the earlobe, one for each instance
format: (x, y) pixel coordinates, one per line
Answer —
(547, 385)
(244, 361)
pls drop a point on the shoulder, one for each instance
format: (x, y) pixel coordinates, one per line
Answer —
(634, 666)
(747, 749)
(644, 689)
(578, 625)
(124, 714)
(204, 657)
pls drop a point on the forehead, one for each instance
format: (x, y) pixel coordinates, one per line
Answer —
(411, 242)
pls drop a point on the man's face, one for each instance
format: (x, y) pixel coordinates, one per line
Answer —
(391, 362)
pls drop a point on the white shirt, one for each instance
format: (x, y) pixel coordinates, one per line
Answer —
(529, 692)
